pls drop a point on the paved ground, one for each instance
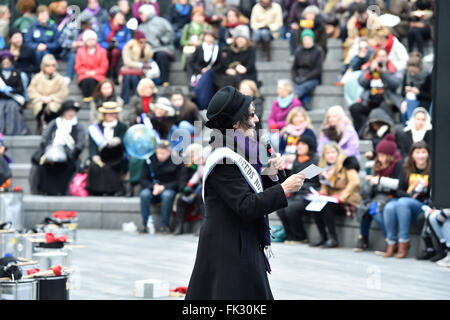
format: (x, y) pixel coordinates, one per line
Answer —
(112, 261)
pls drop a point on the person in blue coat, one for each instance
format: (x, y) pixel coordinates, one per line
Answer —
(42, 36)
(113, 36)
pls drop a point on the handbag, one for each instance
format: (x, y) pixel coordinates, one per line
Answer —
(78, 185)
(126, 71)
(189, 49)
(153, 72)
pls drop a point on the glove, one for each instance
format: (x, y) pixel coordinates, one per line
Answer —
(7, 90)
(188, 190)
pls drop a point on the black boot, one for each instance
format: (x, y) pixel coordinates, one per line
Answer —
(331, 243)
(321, 242)
(266, 50)
(362, 244)
(440, 253)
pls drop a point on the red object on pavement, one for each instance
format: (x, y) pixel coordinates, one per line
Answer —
(65, 215)
(32, 271)
(182, 290)
(17, 189)
(57, 270)
(50, 238)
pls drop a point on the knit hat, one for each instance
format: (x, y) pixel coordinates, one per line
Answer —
(307, 33)
(387, 145)
(309, 142)
(89, 34)
(241, 31)
(6, 54)
(164, 103)
(138, 35)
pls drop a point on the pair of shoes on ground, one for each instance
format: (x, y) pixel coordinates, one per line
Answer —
(162, 230)
(326, 243)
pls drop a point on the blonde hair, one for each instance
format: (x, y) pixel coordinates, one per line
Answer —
(143, 83)
(48, 58)
(286, 84)
(252, 85)
(344, 119)
(293, 113)
(340, 159)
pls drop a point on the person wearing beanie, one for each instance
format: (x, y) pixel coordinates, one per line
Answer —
(136, 56)
(306, 70)
(91, 64)
(379, 188)
(412, 193)
(236, 62)
(237, 204)
(292, 216)
(161, 36)
(312, 20)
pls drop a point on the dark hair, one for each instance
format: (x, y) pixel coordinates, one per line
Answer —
(97, 94)
(245, 119)
(409, 165)
(25, 5)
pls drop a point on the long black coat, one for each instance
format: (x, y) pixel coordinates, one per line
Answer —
(230, 261)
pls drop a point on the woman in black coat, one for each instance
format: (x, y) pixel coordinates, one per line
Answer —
(236, 62)
(231, 263)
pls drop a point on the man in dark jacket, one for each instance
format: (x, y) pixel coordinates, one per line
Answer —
(160, 183)
(307, 68)
(231, 262)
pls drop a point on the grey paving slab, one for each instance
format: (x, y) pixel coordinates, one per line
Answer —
(112, 261)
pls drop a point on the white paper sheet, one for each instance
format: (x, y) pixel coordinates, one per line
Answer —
(311, 171)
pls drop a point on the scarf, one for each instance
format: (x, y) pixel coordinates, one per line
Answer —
(388, 46)
(95, 11)
(146, 104)
(296, 131)
(328, 181)
(232, 25)
(387, 172)
(63, 130)
(108, 129)
(418, 135)
(114, 30)
(303, 159)
(332, 134)
(6, 72)
(208, 51)
(183, 10)
(283, 103)
(362, 28)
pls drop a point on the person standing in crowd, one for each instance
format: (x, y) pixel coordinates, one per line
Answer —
(339, 180)
(137, 55)
(250, 88)
(298, 124)
(337, 127)
(104, 91)
(70, 41)
(100, 15)
(232, 19)
(179, 15)
(42, 36)
(106, 152)
(231, 262)
(160, 183)
(306, 70)
(380, 80)
(237, 61)
(47, 92)
(266, 21)
(27, 17)
(160, 36)
(285, 102)
(61, 145)
(113, 36)
(420, 24)
(12, 121)
(378, 189)
(416, 89)
(418, 128)
(311, 19)
(192, 35)
(412, 193)
(24, 60)
(91, 64)
(292, 216)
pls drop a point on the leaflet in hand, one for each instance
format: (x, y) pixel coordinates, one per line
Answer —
(311, 171)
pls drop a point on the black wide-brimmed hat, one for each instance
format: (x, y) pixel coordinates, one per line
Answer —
(69, 105)
(226, 108)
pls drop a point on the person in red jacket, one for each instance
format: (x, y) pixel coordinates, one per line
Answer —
(91, 64)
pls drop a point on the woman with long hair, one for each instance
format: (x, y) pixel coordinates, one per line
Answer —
(104, 91)
(339, 180)
(412, 193)
(338, 127)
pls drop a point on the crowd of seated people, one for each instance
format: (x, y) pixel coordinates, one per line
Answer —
(119, 58)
